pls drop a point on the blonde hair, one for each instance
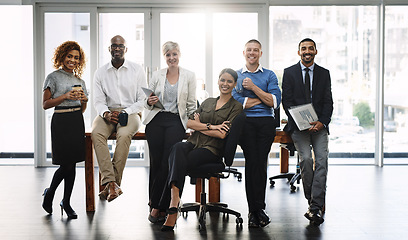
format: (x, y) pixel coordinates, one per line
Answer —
(167, 46)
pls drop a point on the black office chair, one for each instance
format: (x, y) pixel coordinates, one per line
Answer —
(216, 170)
(291, 177)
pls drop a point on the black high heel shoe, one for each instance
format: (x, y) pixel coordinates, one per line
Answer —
(170, 211)
(68, 210)
(47, 202)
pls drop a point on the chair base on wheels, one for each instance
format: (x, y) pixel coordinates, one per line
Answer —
(296, 178)
(291, 177)
(203, 207)
(209, 207)
(288, 176)
(235, 172)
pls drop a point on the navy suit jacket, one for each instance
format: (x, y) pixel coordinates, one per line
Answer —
(293, 94)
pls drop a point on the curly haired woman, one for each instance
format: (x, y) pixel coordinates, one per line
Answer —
(65, 90)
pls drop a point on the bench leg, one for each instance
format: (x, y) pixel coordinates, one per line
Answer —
(214, 190)
(89, 176)
(284, 160)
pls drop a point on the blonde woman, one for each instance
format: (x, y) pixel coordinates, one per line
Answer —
(175, 88)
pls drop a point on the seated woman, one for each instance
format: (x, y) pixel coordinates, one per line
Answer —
(211, 123)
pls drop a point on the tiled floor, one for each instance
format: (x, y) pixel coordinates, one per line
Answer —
(363, 202)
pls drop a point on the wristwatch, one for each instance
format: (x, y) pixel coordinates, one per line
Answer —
(105, 114)
(208, 126)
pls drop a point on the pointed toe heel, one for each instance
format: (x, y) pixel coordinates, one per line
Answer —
(47, 201)
(165, 228)
(171, 211)
(68, 210)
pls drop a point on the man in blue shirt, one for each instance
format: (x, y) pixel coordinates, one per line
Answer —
(258, 91)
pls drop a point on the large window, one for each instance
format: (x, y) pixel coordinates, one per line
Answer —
(129, 25)
(396, 84)
(346, 43)
(230, 33)
(190, 34)
(16, 100)
(212, 38)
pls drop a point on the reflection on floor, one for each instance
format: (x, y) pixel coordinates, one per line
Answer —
(363, 202)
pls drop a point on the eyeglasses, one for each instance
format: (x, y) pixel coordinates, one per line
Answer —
(120, 46)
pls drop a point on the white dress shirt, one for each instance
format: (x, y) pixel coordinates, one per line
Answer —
(119, 88)
(311, 68)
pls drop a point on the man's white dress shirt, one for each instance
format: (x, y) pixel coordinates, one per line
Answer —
(119, 88)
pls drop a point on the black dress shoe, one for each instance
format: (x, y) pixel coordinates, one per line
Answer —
(253, 220)
(263, 218)
(315, 216)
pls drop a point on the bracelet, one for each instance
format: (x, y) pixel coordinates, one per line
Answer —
(208, 126)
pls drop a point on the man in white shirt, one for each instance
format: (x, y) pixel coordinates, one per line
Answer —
(117, 90)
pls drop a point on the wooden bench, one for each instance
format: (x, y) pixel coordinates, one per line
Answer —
(214, 186)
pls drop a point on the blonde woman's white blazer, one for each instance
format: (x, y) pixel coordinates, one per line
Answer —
(186, 94)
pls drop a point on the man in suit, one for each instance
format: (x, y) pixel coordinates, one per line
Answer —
(307, 82)
(258, 91)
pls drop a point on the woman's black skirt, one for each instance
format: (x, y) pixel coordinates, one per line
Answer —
(67, 138)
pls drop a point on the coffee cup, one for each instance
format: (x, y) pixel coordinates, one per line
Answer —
(77, 87)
